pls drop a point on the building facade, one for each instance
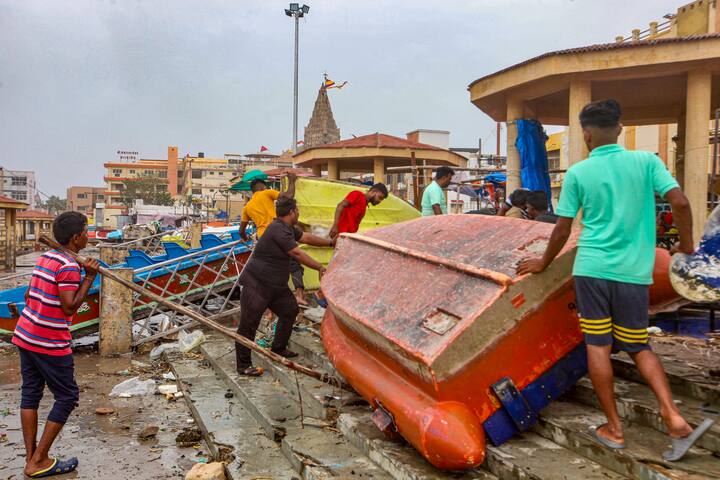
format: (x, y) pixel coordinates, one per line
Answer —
(31, 224)
(85, 199)
(19, 185)
(8, 225)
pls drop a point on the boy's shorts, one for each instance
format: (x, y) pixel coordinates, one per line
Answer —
(613, 313)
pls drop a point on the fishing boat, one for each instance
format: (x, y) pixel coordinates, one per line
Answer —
(317, 200)
(429, 322)
(178, 273)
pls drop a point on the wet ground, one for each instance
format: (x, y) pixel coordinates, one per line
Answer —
(107, 446)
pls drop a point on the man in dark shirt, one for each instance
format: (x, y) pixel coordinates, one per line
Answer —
(264, 282)
(537, 207)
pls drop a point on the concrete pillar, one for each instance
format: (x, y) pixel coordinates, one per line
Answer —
(317, 170)
(195, 235)
(580, 95)
(663, 143)
(636, 34)
(333, 169)
(680, 152)
(697, 113)
(514, 112)
(653, 29)
(379, 170)
(116, 315)
(112, 255)
(619, 39)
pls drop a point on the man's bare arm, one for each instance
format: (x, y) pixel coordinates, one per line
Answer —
(315, 241)
(338, 212)
(558, 239)
(71, 301)
(436, 209)
(682, 217)
(290, 192)
(306, 260)
(243, 235)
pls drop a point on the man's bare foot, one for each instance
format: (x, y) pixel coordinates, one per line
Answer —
(677, 426)
(616, 435)
(33, 466)
(300, 297)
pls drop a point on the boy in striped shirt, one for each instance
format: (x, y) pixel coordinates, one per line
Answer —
(43, 338)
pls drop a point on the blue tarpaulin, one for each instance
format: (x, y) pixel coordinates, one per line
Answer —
(533, 157)
(496, 178)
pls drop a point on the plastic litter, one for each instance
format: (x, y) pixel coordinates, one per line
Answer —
(654, 330)
(134, 387)
(189, 341)
(168, 376)
(165, 389)
(157, 352)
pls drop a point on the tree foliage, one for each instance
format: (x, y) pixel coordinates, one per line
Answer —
(148, 188)
(54, 204)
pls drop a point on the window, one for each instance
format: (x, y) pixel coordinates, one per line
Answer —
(46, 225)
(100, 197)
(19, 181)
(31, 228)
(197, 174)
(82, 195)
(19, 195)
(554, 160)
(211, 173)
(162, 174)
(197, 191)
(81, 208)
(116, 172)
(132, 172)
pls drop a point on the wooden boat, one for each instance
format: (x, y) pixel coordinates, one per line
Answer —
(317, 200)
(171, 278)
(430, 324)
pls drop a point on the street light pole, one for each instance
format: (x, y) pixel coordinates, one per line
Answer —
(296, 11)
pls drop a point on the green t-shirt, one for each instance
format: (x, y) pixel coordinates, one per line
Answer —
(615, 188)
(433, 195)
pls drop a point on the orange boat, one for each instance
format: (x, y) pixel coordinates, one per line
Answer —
(430, 324)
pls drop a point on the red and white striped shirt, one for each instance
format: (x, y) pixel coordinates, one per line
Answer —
(43, 327)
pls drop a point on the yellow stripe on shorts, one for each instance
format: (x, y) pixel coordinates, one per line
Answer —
(631, 331)
(630, 339)
(600, 321)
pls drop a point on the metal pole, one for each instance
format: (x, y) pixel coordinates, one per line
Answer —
(716, 139)
(295, 93)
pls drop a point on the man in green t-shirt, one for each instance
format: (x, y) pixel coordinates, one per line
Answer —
(433, 198)
(615, 189)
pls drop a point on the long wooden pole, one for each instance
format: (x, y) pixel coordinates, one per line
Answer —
(203, 320)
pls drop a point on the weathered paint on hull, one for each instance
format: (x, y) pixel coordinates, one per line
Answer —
(427, 316)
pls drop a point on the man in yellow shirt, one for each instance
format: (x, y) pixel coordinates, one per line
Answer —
(261, 210)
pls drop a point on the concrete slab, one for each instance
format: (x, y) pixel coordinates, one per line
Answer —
(567, 424)
(263, 397)
(396, 457)
(686, 378)
(637, 404)
(311, 350)
(232, 434)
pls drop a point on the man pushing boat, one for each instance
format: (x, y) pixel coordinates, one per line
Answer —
(264, 281)
(261, 210)
(615, 190)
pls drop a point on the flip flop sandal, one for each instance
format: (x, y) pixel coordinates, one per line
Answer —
(252, 372)
(605, 441)
(680, 446)
(58, 467)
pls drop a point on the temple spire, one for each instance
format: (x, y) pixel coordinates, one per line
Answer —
(322, 128)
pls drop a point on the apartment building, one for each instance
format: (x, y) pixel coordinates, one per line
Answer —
(203, 177)
(85, 199)
(19, 185)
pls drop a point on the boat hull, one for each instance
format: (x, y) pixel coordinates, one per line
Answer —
(429, 323)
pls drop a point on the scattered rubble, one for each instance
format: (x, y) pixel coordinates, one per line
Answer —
(188, 437)
(104, 410)
(148, 432)
(134, 387)
(207, 471)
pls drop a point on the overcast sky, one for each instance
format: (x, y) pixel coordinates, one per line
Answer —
(80, 79)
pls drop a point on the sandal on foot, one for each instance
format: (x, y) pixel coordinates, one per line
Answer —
(287, 353)
(252, 371)
(680, 446)
(58, 467)
(605, 441)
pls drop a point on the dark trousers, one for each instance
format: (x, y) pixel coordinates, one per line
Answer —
(254, 300)
(296, 273)
(58, 373)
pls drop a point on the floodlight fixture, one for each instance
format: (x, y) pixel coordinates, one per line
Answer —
(294, 7)
(306, 9)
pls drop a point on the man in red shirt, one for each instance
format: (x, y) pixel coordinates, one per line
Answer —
(351, 211)
(43, 338)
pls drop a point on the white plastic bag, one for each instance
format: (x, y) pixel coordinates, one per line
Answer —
(191, 340)
(157, 352)
(134, 387)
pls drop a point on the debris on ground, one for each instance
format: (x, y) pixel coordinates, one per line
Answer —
(315, 315)
(148, 432)
(186, 343)
(207, 471)
(134, 387)
(104, 410)
(188, 437)
(168, 389)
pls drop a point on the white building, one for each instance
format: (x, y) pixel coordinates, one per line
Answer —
(19, 185)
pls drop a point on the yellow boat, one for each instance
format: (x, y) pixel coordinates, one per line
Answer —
(317, 200)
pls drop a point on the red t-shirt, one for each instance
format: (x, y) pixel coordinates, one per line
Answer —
(353, 214)
(43, 327)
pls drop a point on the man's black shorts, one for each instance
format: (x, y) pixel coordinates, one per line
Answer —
(613, 313)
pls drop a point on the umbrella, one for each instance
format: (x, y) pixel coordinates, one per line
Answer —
(465, 190)
(244, 184)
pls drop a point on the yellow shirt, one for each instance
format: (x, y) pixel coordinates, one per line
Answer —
(261, 209)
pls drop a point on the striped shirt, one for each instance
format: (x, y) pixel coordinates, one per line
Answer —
(43, 327)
